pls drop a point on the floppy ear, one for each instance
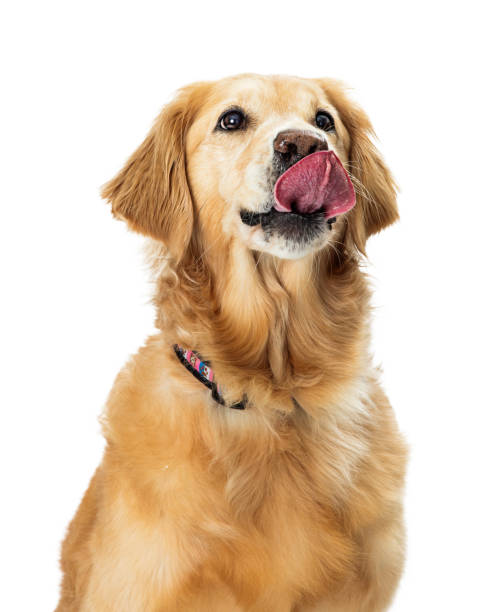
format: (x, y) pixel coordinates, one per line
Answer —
(375, 187)
(151, 191)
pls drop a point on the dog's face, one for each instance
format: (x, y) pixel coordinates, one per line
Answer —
(261, 161)
(248, 133)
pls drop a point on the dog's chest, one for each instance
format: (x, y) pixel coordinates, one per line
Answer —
(287, 519)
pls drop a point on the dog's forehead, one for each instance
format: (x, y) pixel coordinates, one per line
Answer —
(275, 90)
(278, 94)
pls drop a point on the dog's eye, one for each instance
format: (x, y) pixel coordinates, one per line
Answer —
(324, 121)
(232, 120)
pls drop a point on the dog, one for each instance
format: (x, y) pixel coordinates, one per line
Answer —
(253, 461)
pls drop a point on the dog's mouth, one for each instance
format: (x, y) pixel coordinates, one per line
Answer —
(308, 197)
(297, 228)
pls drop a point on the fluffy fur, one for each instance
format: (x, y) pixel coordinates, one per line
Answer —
(291, 504)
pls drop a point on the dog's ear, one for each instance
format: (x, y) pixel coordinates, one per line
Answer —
(151, 191)
(375, 187)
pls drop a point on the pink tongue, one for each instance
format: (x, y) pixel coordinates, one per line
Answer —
(318, 181)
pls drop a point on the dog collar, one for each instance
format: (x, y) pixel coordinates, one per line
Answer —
(202, 370)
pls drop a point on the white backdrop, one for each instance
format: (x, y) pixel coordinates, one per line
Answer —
(81, 84)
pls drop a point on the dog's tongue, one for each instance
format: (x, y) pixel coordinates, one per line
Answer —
(318, 181)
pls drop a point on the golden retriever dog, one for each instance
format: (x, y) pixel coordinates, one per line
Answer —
(253, 462)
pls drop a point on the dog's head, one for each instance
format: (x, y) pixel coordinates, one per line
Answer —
(260, 161)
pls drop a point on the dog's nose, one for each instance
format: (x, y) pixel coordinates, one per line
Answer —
(293, 145)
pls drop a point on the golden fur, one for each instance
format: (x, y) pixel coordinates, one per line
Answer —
(287, 505)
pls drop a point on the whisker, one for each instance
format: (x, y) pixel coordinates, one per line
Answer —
(208, 248)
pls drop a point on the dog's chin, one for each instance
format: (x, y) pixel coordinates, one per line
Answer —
(287, 235)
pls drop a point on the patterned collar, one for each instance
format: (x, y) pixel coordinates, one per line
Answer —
(201, 370)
